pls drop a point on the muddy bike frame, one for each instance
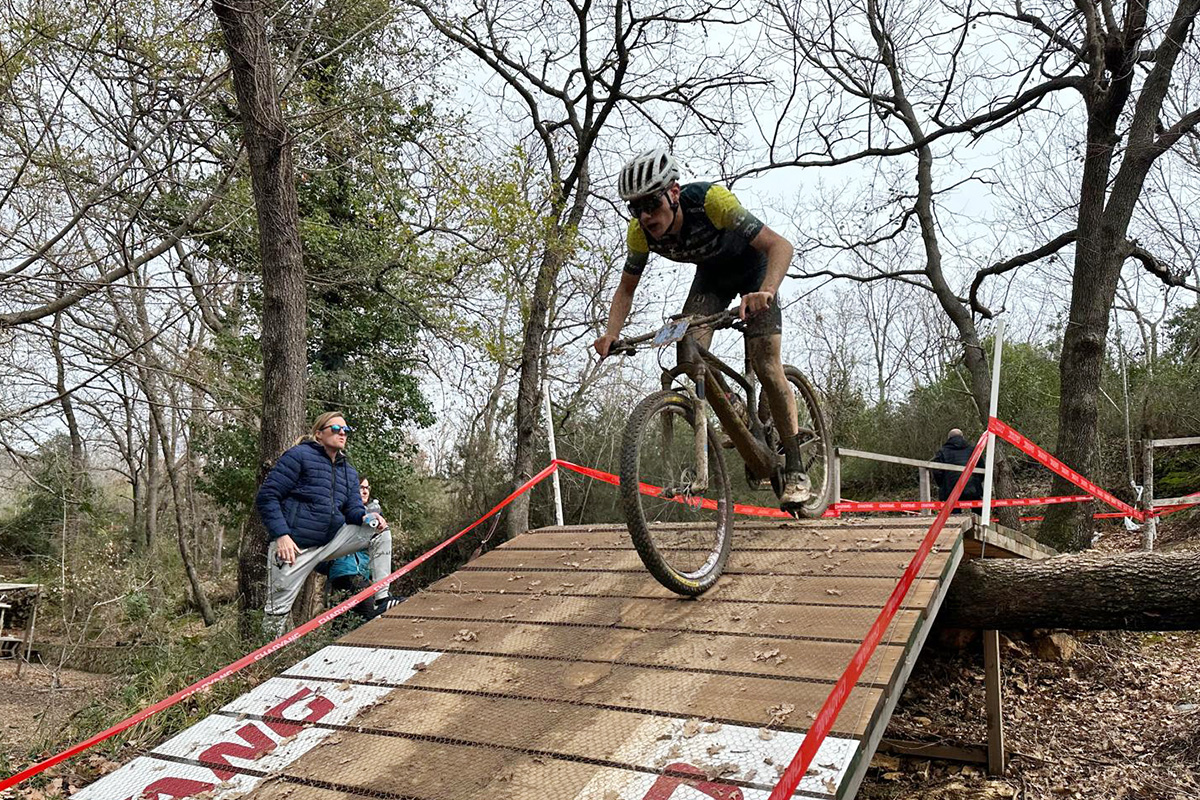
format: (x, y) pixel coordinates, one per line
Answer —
(707, 373)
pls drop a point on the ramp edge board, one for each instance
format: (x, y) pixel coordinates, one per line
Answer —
(997, 541)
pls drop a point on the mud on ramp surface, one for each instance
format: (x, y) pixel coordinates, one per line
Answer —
(555, 667)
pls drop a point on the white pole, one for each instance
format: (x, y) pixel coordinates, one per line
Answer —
(558, 515)
(993, 406)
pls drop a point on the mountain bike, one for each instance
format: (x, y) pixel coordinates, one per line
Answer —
(674, 482)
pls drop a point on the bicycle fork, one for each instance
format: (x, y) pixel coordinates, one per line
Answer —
(698, 484)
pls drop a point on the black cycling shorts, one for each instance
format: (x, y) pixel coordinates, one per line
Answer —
(710, 295)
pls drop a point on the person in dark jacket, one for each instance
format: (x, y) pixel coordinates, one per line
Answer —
(349, 574)
(956, 451)
(312, 510)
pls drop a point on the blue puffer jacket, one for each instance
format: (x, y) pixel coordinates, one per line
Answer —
(308, 497)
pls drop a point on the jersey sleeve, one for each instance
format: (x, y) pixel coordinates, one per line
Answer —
(727, 214)
(639, 250)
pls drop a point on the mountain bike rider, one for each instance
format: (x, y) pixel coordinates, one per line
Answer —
(735, 254)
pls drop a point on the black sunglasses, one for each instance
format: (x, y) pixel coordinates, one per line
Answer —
(346, 429)
(647, 204)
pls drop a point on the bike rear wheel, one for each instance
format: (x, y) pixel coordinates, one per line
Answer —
(681, 529)
(815, 438)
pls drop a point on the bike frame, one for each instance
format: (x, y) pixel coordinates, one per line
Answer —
(705, 371)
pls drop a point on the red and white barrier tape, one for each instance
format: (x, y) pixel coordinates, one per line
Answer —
(266, 649)
(1016, 439)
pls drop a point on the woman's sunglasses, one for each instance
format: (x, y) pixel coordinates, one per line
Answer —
(346, 429)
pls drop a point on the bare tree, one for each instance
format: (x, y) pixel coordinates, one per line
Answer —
(870, 87)
(570, 72)
(898, 96)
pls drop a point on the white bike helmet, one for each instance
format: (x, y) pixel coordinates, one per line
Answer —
(647, 173)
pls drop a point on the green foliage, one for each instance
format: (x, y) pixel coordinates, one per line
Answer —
(57, 492)
(231, 468)
(364, 313)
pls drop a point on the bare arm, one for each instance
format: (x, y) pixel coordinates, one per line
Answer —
(621, 303)
(778, 251)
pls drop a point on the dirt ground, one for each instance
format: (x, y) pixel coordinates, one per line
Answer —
(32, 708)
(1119, 719)
(35, 709)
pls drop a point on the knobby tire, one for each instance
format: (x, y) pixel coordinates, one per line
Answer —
(639, 432)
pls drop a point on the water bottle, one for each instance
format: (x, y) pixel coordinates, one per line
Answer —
(371, 521)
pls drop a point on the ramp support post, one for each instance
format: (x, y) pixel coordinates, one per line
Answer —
(997, 755)
(1150, 526)
(925, 494)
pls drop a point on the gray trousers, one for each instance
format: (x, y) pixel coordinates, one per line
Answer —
(284, 581)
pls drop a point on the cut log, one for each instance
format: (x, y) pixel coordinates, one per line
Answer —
(1088, 591)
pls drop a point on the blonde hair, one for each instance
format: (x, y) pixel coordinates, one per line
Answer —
(319, 424)
(322, 422)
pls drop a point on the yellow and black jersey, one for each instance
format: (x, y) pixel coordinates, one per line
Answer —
(715, 236)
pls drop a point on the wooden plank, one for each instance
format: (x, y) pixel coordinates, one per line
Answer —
(942, 752)
(807, 660)
(675, 693)
(1176, 442)
(850, 591)
(911, 462)
(825, 524)
(833, 561)
(997, 541)
(997, 755)
(419, 770)
(669, 615)
(1176, 501)
(747, 539)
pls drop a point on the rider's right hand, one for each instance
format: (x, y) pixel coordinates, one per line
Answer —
(603, 343)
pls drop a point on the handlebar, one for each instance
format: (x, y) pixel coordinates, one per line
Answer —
(719, 321)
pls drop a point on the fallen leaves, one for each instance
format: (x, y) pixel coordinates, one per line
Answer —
(773, 656)
(779, 713)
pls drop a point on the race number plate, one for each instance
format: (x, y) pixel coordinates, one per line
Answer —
(671, 332)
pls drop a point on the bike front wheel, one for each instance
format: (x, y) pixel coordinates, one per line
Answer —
(680, 523)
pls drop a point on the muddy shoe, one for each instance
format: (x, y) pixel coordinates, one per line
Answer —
(797, 490)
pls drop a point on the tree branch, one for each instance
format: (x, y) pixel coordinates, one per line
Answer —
(1050, 247)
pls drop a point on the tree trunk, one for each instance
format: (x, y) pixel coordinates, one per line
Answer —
(530, 381)
(973, 356)
(528, 394)
(284, 300)
(1106, 206)
(151, 484)
(1134, 591)
(77, 472)
(181, 527)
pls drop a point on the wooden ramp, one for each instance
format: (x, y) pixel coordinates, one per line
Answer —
(556, 667)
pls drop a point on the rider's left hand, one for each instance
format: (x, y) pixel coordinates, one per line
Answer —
(755, 302)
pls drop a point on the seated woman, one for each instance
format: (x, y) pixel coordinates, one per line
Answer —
(312, 511)
(349, 574)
